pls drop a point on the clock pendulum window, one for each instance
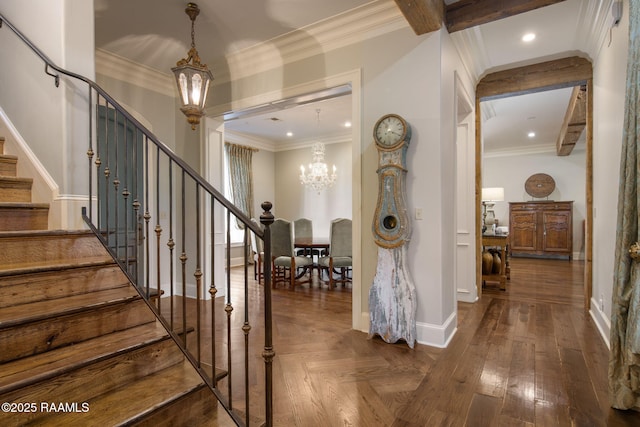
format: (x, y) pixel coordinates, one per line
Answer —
(392, 297)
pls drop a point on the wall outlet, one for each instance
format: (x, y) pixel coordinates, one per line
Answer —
(419, 215)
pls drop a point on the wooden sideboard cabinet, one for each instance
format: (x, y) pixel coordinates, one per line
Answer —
(541, 229)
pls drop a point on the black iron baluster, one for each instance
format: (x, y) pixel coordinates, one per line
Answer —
(125, 197)
(229, 308)
(268, 354)
(158, 230)
(183, 261)
(198, 275)
(246, 327)
(171, 243)
(147, 217)
(213, 291)
(90, 153)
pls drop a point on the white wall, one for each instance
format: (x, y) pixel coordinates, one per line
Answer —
(568, 172)
(609, 92)
(293, 200)
(401, 73)
(263, 179)
(63, 31)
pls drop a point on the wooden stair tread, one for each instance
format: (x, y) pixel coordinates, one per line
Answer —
(201, 407)
(31, 312)
(34, 267)
(24, 288)
(136, 400)
(15, 180)
(23, 205)
(8, 164)
(47, 233)
(29, 370)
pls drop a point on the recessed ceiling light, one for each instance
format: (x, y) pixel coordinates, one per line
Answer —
(531, 134)
(347, 124)
(289, 134)
(529, 37)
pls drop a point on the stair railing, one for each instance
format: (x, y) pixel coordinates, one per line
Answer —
(135, 183)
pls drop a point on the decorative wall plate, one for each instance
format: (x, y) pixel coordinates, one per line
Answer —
(539, 185)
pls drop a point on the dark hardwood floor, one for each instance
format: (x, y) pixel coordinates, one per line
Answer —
(527, 356)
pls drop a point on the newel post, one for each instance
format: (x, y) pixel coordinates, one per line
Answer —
(266, 219)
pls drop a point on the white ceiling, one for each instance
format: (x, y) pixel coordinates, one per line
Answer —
(156, 33)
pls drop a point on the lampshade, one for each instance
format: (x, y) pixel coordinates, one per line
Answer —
(493, 194)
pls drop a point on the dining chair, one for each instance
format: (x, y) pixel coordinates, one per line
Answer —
(303, 229)
(257, 246)
(283, 258)
(339, 260)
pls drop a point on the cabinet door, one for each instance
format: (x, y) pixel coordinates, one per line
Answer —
(557, 232)
(522, 233)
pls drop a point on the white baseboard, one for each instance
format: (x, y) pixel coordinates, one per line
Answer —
(602, 321)
(465, 295)
(437, 335)
(426, 333)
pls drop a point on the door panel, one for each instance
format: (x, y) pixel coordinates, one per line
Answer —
(120, 187)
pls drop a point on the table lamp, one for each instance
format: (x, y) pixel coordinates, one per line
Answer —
(490, 196)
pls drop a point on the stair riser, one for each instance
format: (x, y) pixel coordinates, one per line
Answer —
(15, 219)
(15, 193)
(8, 165)
(83, 383)
(37, 337)
(49, 248)
(86, 382)
(200, 406)
(25, 288)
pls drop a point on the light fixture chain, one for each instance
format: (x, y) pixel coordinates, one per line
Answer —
(193, 32)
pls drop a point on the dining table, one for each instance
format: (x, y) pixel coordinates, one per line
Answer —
(308, 244)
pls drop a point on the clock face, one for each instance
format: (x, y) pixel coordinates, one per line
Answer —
(390, 130)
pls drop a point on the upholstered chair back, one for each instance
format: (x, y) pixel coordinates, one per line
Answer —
(340, 238)
(303, 228)
(281, 238)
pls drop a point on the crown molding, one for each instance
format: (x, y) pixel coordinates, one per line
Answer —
(356, 25)
(277, 146)
(119, 68)
(594, 17)
(248, 140)
(308, 143)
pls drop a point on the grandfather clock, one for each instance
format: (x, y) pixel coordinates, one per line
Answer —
(392, 297)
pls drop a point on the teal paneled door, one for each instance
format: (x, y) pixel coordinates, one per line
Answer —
(120, 169)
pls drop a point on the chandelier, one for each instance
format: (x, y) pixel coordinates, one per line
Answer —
(192, 77)
(318, 177)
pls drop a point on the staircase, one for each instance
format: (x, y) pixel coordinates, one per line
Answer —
(78, 345)
(17, 212)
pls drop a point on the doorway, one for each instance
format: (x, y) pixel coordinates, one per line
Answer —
(314, 91)
(562, 73)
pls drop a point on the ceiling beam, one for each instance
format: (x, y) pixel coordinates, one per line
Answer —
(424, 16)
(469, 13)
(574, 122)
(556, 74)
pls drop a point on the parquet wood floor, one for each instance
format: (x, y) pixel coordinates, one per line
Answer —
(527, 356)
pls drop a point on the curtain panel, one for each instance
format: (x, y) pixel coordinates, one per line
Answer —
(624, 363)
(239, 159)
